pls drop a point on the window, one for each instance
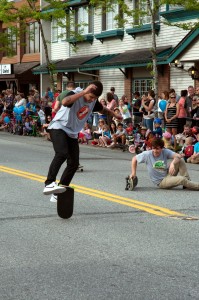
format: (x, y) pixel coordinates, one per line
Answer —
(84, 19)
(63, 29)
(144, 15)
(54, 30)
(82, 84)
(142, 85)
(32, 38)
(110, 18)
(11, 42)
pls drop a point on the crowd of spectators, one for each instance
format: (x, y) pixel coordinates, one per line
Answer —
(174, 118)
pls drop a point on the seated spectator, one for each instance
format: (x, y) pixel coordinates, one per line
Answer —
(105, 139)
(167, 138)
(194, 159)
(27, 128)
(85, 134)
(97, 133)
(188, 149)
(119, 136)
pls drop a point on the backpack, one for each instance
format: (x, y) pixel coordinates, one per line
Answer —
(189, 151)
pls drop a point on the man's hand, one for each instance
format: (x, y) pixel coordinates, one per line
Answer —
(90, 89)
(171, 169)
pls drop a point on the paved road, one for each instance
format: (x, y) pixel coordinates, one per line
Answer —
(118, 244)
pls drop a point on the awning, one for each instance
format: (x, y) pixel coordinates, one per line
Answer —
(127, 59)
(42, 69)
(67, 65)
(19, 69)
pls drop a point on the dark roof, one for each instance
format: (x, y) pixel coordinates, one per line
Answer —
(20, 68)
(128, 58)
(73, 62)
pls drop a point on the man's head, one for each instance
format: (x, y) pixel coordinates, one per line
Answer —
(187, 129)
(70, 85)
(191, 91)
(95, 92)
(157, 146)
(112, 89)
(136, 95)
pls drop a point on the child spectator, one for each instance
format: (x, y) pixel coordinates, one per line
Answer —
(85, 134)
(157, 128)
(117, 111)
(124, 111)
(167, 140)
(188, 148)
(41, 114)
(105, 139)
(97, 133)
(194, 159)
(27, 128)
(30, 106)
(119, 136)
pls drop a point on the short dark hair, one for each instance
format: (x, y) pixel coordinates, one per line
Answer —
(151, 93)
(70, 84)
(98, 91)
(112, 89)
(183, 93)
(157, 143)
(137, 94)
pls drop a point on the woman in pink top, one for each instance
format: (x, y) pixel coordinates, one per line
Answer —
(182, 111)
(111, 104)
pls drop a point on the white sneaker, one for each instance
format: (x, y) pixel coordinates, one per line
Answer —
(53, 198)
(53, 188)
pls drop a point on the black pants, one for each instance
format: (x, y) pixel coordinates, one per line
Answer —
(66, 149)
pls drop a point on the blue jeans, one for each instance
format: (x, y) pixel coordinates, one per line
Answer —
(148, 123)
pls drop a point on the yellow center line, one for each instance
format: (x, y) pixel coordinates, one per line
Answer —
(143, 206)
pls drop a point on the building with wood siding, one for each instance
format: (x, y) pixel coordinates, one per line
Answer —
(119, 57)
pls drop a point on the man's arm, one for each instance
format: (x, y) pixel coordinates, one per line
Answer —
(109, 112)
(176, 157)
(69, 100)
(133, 167)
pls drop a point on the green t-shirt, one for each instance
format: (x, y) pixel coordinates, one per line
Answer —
(62, 95)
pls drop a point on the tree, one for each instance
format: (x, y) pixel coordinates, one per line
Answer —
(15, 18)
(136, 17)
(187, 5)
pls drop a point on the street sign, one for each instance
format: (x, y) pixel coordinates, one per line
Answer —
(5, 69)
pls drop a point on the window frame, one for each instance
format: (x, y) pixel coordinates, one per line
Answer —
(142, 85)
(32, 35)
(87, 18)
(111, 14)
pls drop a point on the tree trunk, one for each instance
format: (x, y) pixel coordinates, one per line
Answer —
(50, 66)
(152, 11)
